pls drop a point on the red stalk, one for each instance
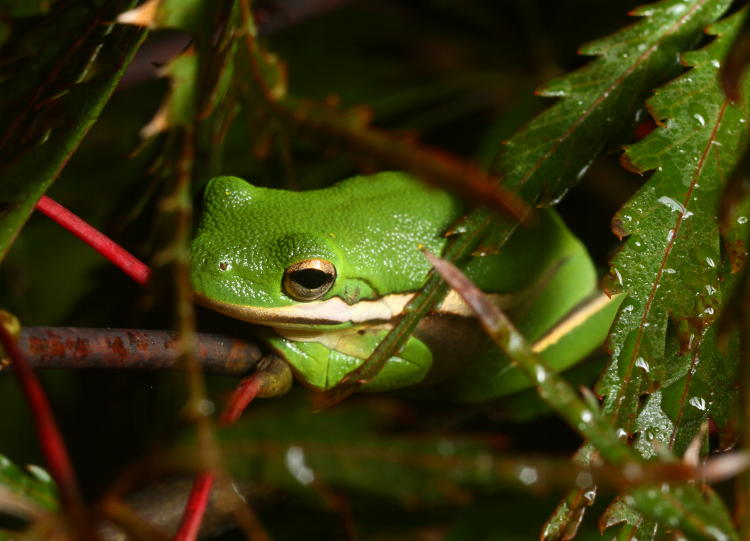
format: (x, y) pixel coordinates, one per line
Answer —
(50, 439)
(197, 502)
(127, 262)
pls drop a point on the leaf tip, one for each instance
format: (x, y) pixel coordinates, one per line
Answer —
(627, 163)
(143, 15)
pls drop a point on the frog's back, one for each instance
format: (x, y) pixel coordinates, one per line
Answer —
(368, 227)
(380, 201)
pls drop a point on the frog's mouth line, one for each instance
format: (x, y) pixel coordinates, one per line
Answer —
(330, 312)
(334, 311)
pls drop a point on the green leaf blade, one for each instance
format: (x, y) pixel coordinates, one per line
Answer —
(670, 265)
(600, 100)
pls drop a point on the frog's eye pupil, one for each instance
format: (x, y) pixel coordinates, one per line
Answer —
(309, 279)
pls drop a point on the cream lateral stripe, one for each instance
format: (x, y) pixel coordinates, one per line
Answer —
(573, 319)
(332, 311)
(335, 310)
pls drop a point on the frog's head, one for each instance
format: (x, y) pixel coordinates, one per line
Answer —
(256, 256)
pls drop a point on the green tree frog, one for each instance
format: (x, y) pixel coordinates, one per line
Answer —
(329, 271)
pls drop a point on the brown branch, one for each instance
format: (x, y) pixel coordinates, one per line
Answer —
(128, 349)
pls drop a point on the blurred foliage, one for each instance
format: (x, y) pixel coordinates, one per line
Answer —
(329, 88)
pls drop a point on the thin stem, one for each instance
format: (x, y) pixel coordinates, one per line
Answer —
(48, 433)
(131, 349)
(195, 509)
(127, 262)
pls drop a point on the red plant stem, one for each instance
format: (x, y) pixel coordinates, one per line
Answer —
(48, 433)
(197, 502)
(245, 392)
(195, 508)
(131, 349)
(127, 262)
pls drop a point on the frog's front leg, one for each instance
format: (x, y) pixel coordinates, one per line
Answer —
(322, 359)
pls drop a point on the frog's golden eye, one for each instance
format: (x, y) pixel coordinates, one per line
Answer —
(309, 279)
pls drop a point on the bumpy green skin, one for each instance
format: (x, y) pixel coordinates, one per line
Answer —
(370, 228)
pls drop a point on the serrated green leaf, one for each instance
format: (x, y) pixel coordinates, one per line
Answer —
(51, 97)
(697, 513)
(663, 341)
(600, 100)
(670, 264)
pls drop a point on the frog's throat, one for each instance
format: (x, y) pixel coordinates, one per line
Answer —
(333, 311)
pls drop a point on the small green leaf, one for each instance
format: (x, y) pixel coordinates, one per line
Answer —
(600, 100)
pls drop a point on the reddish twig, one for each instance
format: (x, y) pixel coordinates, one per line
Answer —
(127, 262)
(195, 508)
(132, 349)
(50, 439)
(246, 391)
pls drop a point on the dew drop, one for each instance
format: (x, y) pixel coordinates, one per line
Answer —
(677, 9)
(700, 119)
(742, 220)
(541, 374)
(640, 362)
(206, 407)
(528, 476)
(40, 473)
(672, 204)
(698, 402)
(296, 464)
(711, 263)
(583, 171)
(618, 275)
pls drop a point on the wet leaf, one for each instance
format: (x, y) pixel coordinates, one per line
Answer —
(600, 100)
(663, 341)
(51, 97)
(670, 264)
(698, 513)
